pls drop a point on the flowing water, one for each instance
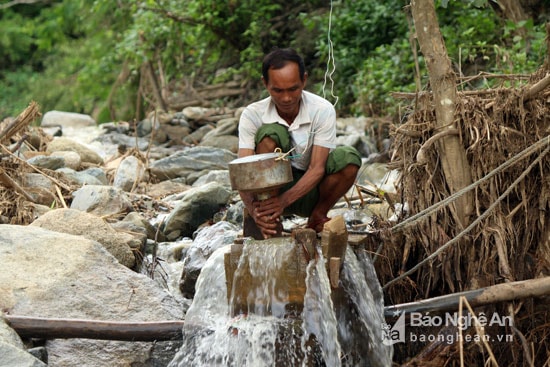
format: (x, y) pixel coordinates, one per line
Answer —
(284, 320)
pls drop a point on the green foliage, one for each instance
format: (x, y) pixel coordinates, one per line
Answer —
(390, 68)
(360, 29)
(89, 56)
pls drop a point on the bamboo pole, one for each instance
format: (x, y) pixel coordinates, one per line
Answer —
(478, 297)
(49, 328)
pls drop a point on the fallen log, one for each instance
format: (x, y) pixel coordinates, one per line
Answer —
(49, 328)
(478, 297)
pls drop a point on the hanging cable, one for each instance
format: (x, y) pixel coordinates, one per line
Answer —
(329, 73)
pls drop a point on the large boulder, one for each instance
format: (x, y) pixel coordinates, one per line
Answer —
(55, 275)
(84, 224)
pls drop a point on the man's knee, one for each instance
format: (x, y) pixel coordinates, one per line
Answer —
(348, 174)
(266, 145)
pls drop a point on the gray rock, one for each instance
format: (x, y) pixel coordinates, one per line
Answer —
(195, 113)
(123, 140)
(130, 172)
(8, 335)
(81, 178)
(64, 144)
(228, 142)
(16, 357)
(38, 180)
(221, 176)
(55, 275)
(223, 127)
(101, 200)
(118, 127)
(98, 173)
(168, 187)
(80, 223)
(47, 161)
(139, 221)
(196, 136)
(197, 205)
(193, 159)
(72, 159)
(66, 119)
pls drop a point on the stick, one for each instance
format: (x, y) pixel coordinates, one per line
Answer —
(48, 328)
(9, 183)
(478, 297)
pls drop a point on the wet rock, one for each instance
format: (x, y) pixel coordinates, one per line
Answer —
(66, 119)
(64, 144)
(197, 205)
(101, 200)
(207, 240)
(130, 172)
(80, 223)
(194, 159)
(50, 274)
(234, 213)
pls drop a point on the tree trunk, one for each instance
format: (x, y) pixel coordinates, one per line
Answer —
(443, 83)
(510, 9)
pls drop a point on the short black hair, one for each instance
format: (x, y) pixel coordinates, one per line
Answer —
(278, 58)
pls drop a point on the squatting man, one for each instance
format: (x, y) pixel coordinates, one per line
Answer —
(304, 125)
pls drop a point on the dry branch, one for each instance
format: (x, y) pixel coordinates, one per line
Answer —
(49, 328)
(11, 184)
(536, 88)
(478, 297)
(22, 121)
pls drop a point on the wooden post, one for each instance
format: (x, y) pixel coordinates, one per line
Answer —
(334, 241)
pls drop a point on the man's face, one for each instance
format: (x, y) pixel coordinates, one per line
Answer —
(285, 88)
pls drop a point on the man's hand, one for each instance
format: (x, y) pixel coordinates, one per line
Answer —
(267, 214)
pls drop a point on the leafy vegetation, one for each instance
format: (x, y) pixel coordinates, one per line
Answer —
(96, 57)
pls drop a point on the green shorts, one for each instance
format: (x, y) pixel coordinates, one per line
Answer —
(338, 158)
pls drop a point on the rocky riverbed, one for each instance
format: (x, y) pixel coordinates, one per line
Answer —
(149, 204)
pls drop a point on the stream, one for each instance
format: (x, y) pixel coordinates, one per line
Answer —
(266, 327)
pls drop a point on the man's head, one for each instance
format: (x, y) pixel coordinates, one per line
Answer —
(278, 58)
(284, 77)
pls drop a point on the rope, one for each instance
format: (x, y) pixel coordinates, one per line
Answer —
(485, 214)
(282, 156)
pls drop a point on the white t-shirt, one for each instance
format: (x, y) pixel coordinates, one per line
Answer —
(314, 125)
